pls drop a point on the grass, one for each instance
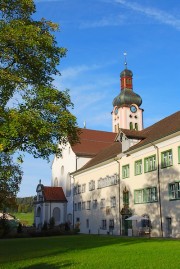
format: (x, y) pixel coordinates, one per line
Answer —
(89, 251)
(25, 218)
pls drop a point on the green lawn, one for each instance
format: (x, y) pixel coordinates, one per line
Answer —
(88, 251)
(25, 218)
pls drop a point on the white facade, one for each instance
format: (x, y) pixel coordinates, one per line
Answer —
(61, 169)
(97, 202)
(146, 187)
(44, 210)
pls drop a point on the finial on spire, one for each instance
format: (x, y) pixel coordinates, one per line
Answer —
(125, 63)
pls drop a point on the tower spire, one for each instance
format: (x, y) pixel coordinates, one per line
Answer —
(125, 62)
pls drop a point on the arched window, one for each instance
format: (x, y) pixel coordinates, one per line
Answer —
(136, 126)
(68, 185)
(62, 170)
(131, 126)
(56, 214)
(56, 182)
(38, 212)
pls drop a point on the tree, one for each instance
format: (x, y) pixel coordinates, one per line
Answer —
(10, 178)
(35, 115)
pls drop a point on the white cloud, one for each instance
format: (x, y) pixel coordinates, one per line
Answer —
(75, 71)
(157, 14)
(106, 21)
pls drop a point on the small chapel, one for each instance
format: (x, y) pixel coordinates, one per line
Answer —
(124, 182)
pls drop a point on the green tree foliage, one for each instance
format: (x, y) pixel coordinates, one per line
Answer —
(34, 115)
(24, 205)
(10, 178)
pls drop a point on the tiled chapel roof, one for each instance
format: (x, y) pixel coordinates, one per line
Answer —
(92, 141)
(55, 194)
(163, 128)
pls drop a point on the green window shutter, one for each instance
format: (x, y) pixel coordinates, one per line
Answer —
(179, 154)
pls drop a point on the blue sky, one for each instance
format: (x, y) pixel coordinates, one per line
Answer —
(96, 34)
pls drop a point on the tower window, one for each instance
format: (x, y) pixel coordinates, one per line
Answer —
(131, 126)
(136, 126)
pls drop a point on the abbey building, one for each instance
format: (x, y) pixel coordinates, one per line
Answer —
(124, 182)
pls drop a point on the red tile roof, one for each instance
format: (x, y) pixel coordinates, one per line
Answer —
(105, 154)
(163, 128)
(160, 129)
(92, 141)
(55, 194)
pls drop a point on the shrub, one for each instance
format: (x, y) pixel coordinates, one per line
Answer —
(45, 226)
(19, 228)
(4, 227)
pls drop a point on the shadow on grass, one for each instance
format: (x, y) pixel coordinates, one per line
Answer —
(64, 264)
(23, 249)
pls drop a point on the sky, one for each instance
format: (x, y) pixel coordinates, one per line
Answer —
(96, 34)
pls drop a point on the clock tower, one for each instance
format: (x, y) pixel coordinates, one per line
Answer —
(127, 113)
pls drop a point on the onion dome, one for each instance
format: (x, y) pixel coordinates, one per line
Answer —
(126, 73)
(127, 96)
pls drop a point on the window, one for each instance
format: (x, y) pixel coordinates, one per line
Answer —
(138, 167)
(108, 181)
(91, 185)
(103, 225)
(68, 185)
(136, 126)
(94, 204)
(87, 223)
(102, 203)
(88, 205)
(150, 164)
(125, 197)
(83, 188)
(79, 206)
(125, 171)
(83, 205)
(179, 154)
(131, 126)
(56, 214)
(147, 195)
(75, 207)
(75, 190)
(151, 195)
(62, 170)
(111, 224)
(113, 201)
(174, 190)
(56, 182)
(79, 189)
(166, 158)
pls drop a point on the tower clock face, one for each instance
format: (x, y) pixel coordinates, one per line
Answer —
(133, 108)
